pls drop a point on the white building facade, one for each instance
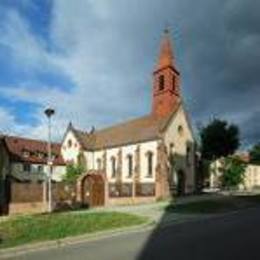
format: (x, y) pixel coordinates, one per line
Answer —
(251, 177)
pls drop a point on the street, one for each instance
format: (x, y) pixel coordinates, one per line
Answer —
(230, 236)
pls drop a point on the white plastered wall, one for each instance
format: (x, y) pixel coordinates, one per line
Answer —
(251, 177)
(70, 153)
(129, 150)
(144, 149)
(180, 141)
(111, 152)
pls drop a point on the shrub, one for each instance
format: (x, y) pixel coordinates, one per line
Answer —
(72, 173)
(233, 170)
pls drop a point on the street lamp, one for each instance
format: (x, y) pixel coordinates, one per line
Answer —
(49, 112)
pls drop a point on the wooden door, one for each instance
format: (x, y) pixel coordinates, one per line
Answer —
(93, 191)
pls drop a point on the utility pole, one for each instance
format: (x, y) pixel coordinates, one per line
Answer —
(49, 112)
(44, 195)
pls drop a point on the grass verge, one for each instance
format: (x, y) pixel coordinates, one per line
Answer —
(222, 205)
(36, 228)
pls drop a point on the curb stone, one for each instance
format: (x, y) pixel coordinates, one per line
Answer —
(41, 246)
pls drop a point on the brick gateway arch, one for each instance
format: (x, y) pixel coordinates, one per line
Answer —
(91, 189)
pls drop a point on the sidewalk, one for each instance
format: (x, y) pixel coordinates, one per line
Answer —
(156, 210)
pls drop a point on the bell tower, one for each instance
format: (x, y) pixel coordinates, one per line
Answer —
(166, 79)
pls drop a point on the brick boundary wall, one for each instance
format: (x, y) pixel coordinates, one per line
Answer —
(27, 198)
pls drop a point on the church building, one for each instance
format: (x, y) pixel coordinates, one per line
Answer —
(145, 159)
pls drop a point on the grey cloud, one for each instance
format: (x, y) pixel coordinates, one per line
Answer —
(216, 44)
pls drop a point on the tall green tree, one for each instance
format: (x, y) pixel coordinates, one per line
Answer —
(255, 154)
(218, 139)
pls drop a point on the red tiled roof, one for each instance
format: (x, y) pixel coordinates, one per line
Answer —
(17, 146)
(138, 130)
(245, 157)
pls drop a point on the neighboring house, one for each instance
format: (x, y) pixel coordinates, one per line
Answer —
(4, 168)
(146, 158)
(23, 167)
(28, 159)
(251, 179)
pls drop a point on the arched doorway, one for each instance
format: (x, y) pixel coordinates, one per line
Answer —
(181, 182)
(93, 190)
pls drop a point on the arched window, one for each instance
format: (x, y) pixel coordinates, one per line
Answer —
(69, 143)
(99, 164)
(130, 165)
(113, 167)
(149, 164)
(180, 130)
(161, 82)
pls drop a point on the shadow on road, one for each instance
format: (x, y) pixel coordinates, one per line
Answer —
(221, 234)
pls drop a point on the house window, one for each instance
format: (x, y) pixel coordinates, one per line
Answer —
(40, 155)
(113, 167)
(161, 82)
(99, 164)
(149, 164)
(40, 168)
(130, 165)
(26, 167)
(26, 154)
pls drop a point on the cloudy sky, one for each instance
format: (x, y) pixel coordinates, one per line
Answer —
(92, 61)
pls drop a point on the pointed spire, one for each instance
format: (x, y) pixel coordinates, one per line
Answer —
(166, 55)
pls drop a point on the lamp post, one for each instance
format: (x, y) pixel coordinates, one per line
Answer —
(49, 112)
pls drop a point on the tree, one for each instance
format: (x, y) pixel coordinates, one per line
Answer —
(233, 172)
(72, 173)
(255, 154)
(218, 139)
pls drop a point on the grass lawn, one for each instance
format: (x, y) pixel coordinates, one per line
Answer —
(27, 229)
(221, 205)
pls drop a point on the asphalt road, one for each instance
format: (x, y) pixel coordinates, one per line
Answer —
(233, 236)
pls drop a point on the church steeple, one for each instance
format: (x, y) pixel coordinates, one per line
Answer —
(166, 55)
(166, 92)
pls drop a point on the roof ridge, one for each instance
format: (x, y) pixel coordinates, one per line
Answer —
(29, 139)
(125, 122)
(114, 125)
